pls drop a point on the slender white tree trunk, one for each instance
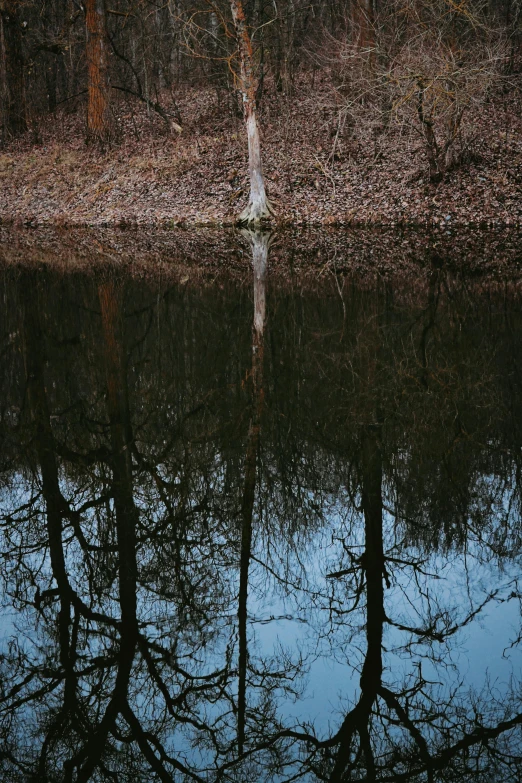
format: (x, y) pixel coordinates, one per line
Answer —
(259, 207)
(260, 242)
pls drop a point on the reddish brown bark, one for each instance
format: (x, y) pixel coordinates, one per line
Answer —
(363, 23)
(98, 110)
(12, 88)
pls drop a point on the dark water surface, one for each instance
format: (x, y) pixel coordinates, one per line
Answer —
(259, 531)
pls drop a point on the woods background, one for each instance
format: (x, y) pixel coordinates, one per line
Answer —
(382, 58)
(419, 87)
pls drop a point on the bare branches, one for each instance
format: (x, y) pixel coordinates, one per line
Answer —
(424, 68)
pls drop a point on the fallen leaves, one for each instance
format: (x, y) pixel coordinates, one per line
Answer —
(152, 179)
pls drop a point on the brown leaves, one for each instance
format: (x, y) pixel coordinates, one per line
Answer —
(153, 179)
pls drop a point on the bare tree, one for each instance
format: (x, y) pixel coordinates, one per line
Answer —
(259, 207)
(260, 243)
(363, 23)
(423, 76)
(99, 123)
(12, 88)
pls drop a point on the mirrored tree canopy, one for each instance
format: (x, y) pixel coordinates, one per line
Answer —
(259, 532)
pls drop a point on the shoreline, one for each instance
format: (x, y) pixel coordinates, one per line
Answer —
(199, 179)
(284, 224)
(306, 257)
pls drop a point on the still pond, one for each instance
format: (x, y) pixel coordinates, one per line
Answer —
(253, 529)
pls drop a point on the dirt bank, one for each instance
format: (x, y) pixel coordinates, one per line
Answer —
(315, 175)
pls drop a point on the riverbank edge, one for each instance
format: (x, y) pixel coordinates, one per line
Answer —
(200, 178)
(306, 257)
(438, 223)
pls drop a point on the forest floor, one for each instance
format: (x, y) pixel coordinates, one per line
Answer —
(318, 172)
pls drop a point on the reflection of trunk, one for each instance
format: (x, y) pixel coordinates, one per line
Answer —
(98, 110)
(373, 557)
(54, 501)
(12, 92)
(431, 312)
(259, 207)
(260, 243)
(372, 562)
(117, 403)
(126, 514)
(55, 504)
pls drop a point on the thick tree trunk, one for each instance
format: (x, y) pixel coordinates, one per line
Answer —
(363, 24)
(126, 519)
(99, 125)
(12, 89)
(435, 161)
(56, 506)
(259, 207)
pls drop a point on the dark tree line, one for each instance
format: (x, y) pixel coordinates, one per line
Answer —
(74, 54)
(417, 65)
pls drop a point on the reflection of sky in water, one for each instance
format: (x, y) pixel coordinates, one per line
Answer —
(478, 653)
(330, 684)
(299, 533)
(289, 621)
(7, 624)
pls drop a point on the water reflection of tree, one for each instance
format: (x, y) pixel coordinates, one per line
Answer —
(417, 729)
(134, 525)
(108, 665)
(259, 242)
